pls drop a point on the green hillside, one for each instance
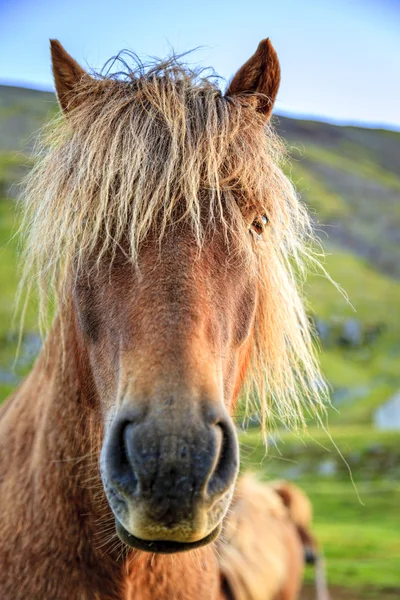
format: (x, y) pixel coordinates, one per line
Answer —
(350, 178)
(22, 113)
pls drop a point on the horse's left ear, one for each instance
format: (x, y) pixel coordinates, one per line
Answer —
(67, 75)
(261, 74)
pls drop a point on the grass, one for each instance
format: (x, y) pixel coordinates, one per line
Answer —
(373, 296)
(8, 262)
(323, 202)
(302, 455)
(369, 373)
(361, 164)
(8, 286)
(361, 543)
(359, 530)
(350, 178)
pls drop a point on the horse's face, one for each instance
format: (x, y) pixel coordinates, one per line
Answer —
(166, 344)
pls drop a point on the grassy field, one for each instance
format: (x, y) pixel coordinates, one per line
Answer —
(12, 370)
(368, 373)
(8, 286)
(356, 522)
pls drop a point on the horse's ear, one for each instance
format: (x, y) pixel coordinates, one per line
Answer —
(261, 74)
(67, 74)
(284, 492)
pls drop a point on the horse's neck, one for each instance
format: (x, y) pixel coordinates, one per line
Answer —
(55, 522)
(188, 576)
(51, 495)
(55, 433)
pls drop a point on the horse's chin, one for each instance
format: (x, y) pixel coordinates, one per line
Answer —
(163, 546)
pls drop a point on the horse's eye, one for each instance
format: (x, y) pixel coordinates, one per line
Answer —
(258, 225)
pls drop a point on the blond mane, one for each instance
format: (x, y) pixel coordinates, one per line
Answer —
(143, 149)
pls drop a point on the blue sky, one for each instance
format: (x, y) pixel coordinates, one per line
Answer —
(340, 59)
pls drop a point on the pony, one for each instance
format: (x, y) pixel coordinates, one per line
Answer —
(158, 219)
(266, 541)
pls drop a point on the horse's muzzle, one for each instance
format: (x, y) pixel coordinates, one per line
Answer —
(169, 477)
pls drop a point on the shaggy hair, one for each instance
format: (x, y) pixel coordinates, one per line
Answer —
(140, 151)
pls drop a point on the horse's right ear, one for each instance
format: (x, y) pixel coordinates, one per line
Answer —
(67, 75)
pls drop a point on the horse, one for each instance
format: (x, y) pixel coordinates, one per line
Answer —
(266, 541)
(164, 238)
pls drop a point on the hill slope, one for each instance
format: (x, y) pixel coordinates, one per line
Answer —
(351, 176)
(22, 113)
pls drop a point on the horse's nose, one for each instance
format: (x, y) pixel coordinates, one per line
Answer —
(172, 464)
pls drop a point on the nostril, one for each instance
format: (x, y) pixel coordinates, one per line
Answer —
(227, 463)
(120, 466)
(127, 465)
(123, 441)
